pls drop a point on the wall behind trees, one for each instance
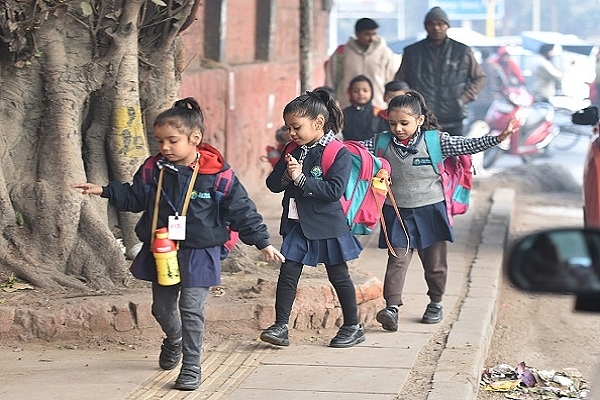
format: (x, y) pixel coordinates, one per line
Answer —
(243, 66)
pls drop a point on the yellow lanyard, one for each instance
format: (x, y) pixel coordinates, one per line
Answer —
(186, 202)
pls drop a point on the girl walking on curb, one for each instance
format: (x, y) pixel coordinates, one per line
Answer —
(419, 194)
(313, 224)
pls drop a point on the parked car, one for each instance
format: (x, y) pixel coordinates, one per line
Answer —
(591, 168)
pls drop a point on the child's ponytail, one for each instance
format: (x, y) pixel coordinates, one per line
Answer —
(321, 101)
(335, 122)
(185, 115)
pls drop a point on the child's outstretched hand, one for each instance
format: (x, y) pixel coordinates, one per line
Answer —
(88, 188)
(272, 254)
(512, 126)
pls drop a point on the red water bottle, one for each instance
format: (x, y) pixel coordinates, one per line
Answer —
(165, 257)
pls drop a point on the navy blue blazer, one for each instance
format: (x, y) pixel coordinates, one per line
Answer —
(319, 209)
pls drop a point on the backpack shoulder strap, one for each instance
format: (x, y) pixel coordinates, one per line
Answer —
(223, 183)
(382, 141)
(291, 146)
(148, 168)
(434, 147)
(329, 154)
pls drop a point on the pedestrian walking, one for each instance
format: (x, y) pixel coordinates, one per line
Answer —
(417, 189)
(365, 53)
(313, 224)
(444, 71)
(183, 178)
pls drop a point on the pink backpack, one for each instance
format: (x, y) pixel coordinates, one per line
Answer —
(361, 204)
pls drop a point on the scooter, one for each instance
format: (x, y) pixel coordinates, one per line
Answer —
(535, 125)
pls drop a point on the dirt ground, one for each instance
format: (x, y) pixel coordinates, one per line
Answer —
(541, 330)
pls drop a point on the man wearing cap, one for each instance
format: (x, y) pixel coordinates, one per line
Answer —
(365, 53)
(444, 71)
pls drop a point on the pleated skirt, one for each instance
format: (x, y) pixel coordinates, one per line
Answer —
(424, 225)
(296, 247)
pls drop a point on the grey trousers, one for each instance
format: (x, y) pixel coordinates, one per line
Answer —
(435, 265)
(180, 313)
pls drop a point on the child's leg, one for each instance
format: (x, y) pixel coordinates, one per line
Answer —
(287, 284)
(395, 276)
(344, 288)
(351, 332)
(164, 309)
(191, 305)
(435, 264)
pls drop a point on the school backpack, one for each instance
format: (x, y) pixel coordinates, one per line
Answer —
(361, 205)
(456, 172)
(223, 183)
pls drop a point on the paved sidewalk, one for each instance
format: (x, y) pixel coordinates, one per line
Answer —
(378, 368)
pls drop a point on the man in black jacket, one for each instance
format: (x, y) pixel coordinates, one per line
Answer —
(444, 71)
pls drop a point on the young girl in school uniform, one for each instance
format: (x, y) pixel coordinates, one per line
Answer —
(313, 224)
(186, 165)
(419, 195)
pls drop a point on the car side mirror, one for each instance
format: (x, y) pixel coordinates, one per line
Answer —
(565, 260)
(586, 116)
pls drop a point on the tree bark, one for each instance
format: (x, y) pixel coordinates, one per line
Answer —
(72, 98)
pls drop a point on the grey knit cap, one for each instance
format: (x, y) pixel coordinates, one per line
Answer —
(436, 13)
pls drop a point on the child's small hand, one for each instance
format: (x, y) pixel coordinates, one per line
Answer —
(272, 254)
(88, 188)
(294, 168)
(512, 126)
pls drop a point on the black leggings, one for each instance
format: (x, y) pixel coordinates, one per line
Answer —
(338, 275)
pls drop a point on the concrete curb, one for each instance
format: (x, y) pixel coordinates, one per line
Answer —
(459, 367)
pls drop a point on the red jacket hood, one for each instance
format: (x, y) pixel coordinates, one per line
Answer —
(211, 160)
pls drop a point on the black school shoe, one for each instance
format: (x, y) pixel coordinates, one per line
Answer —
(433, 314)
(276, 334)
(189, 378)
(388, 318)
(348, 336)
(170, 354)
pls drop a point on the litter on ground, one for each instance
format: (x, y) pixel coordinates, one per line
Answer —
(526, 383)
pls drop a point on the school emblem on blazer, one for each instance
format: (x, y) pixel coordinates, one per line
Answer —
(317, 172)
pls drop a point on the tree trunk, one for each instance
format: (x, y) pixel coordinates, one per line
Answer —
(70, 111)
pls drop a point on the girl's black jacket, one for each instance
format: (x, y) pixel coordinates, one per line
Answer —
(206, 219)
